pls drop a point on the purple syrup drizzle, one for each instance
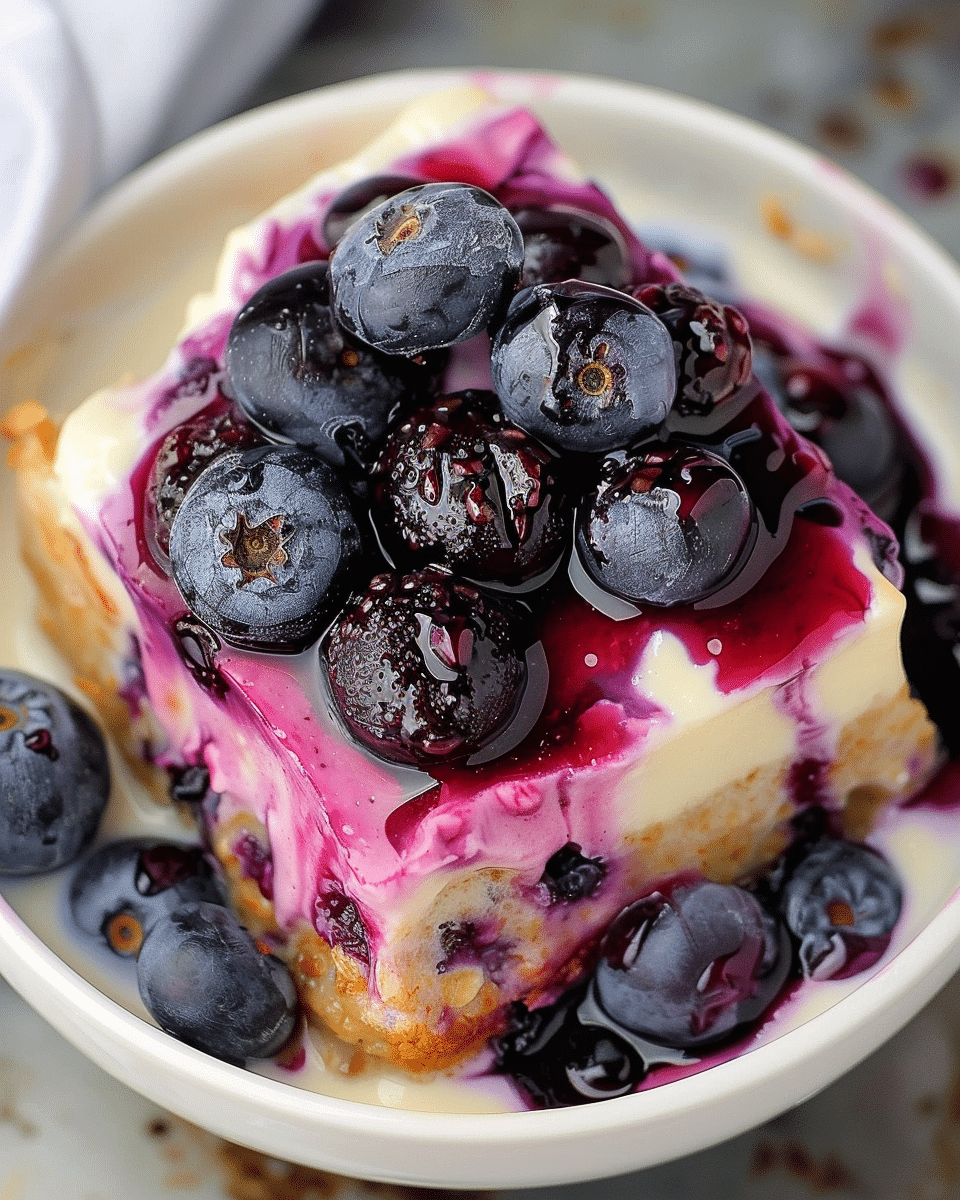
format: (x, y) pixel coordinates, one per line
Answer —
(587, 718)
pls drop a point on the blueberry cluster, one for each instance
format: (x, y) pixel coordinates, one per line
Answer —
(340, 459)
(685, 970)
(200, 974)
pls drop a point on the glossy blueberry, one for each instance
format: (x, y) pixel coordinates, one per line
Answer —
(297, 375)
(558, 1061)
(561, 243)
(427, 268)
(711, 343)
(689, 966)
(583, 367)
(263, 546)
(120, 891)
(205, 982)
(667, 525)
(423, 668)
(359, 198)
(841, 902)
(183, 454)
(833, 403)
(457, 485)
(54, 776)
(570, 875)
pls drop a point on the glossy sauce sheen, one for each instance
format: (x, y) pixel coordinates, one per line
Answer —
(592, 715)
(333, 812)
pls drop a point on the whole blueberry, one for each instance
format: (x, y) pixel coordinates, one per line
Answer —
(263, 546)
(205, 982)
(833, 403)
(583, 367)
(841, 901)
(54, 776)
(297, 375)
(427, 268)
(666, 525)
(689, 966)
(424, 669)
(558, 1061)
(569, 875)
(123, 888)
(563, 243)
(457, 485)
(711, 343)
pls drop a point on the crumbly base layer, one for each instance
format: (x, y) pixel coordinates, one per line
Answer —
(403, 1009)
(82, 618)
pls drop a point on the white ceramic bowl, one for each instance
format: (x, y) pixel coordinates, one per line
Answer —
(111, 302)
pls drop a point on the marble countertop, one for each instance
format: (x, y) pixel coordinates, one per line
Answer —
(877, 86)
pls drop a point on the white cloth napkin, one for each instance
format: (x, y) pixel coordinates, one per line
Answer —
(91, 88)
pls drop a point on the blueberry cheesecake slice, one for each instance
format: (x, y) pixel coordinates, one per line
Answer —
(462, 555)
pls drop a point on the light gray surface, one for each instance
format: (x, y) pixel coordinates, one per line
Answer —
(871, 83)
(891, 1129)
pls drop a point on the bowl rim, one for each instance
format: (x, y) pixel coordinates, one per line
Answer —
(845, 1033)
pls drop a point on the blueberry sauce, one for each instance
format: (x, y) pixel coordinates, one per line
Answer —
(362, 817)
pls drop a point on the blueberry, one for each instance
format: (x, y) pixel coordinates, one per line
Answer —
(297, 375)
(120, 891)
(583, 367)
(181, 457)
(834, 403)
(54, 776)
(569, 875)
(190, 784)
(357, 199)
(423, 668)
(667, 525)
(263, 546)
(561, 243)
(690, 966)
(205, 982)
(459, 486)
(342, 922)
(711, 343)
(427, 268)
(841, 902)
(558, 1061)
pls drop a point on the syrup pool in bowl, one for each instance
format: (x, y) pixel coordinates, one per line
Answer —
(111, 304)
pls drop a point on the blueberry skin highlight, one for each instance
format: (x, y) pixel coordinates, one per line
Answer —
(841, 902)
(54, 776)
(559, 1061)
(667, 525)
(427, 268)
(425, 669)
(206, 983)
(298, 376)
(120, 890)
(582, 367)
(689, 967)
(263, 547)
(456, 484)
